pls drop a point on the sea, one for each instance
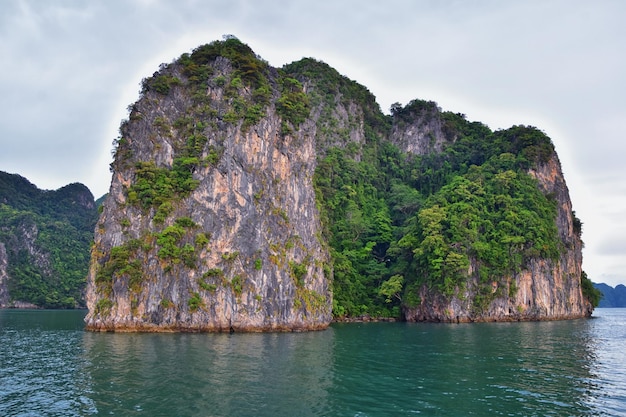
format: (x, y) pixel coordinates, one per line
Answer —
(50, 366)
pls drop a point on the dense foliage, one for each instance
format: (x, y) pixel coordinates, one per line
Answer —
(397, 222)
(47, 236)
(590, 291)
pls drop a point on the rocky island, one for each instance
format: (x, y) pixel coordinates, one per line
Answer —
(251, 198)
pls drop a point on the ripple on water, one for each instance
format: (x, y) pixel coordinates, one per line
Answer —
(373, 369)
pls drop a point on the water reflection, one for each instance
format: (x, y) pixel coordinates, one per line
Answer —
(209, 374)
(468, 369)
(608, 336)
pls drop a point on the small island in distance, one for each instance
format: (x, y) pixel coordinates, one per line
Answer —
(611, 297)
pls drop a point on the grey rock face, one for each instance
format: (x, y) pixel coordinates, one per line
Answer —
(240, 249)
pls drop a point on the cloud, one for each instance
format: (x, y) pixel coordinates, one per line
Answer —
(613, 245)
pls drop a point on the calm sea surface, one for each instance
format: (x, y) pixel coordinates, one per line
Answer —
(50, 367)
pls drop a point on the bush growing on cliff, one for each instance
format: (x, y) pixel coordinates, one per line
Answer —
(195, 302)
(172, 245)
(293, 104)
(162, 84)
(590, 293)
(122, 261)
(155, 186)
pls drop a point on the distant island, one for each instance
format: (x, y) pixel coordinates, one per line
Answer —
(611, 297)
(45, 239)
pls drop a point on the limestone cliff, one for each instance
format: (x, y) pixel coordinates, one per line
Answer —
(211, 222)
(250, 198)
(544, 289)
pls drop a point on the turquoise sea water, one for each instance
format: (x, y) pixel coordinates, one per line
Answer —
(50, 367)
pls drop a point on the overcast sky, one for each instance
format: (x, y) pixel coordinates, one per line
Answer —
(70, 69)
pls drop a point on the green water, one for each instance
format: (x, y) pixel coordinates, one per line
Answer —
(50, 367)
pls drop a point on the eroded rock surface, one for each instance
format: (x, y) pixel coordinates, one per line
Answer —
(211, 224)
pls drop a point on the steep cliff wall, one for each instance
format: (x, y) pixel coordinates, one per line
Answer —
(543, 288)
(232, 241)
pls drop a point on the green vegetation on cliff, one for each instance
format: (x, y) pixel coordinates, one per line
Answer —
(47, 236)
(397, 221)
